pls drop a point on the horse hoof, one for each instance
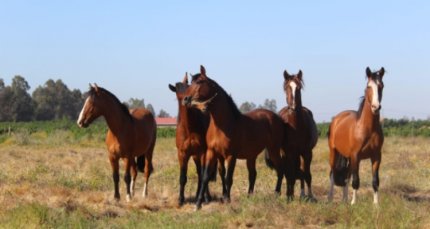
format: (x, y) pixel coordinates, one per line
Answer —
(208, 199)
(197, 207)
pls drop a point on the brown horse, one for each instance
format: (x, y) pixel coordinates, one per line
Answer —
(190, 139)
(302, 131)
(131, 134)
(232, 135)
(357, 135)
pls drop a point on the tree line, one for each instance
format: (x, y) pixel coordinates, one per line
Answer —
(51, 101)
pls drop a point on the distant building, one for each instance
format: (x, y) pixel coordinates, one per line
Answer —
(165, 122)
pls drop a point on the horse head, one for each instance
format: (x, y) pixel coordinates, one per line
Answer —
(201, 92)
(375, 86)
(293, 85)
(91, 109)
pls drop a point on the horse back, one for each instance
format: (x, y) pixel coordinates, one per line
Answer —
(257, 130)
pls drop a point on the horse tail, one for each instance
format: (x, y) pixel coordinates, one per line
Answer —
(269, 162)
(341, 169)
(140, 161)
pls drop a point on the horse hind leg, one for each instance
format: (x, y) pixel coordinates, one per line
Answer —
(252, 174)
(133, 177)
(307, 174)
(183, 167)
(148, 168)
(127, 176)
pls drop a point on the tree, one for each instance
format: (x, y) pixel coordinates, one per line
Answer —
(269, 104)
(135, 103)
(54, 100)
(247, 107)
(150, 108)
(22, 103)
(163, 114)
(6, 100)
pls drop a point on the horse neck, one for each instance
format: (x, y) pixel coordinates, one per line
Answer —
(115, 117)
(367, 119)
(189, 120)
(220, 116)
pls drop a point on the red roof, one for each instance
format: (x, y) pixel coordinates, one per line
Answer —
(165, 121)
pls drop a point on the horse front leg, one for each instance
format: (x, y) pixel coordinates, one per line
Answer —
(114, 162)
(355, 178)
(231, 164)
(208, 168)
(183, 167)
(127, 176)
(375, 174)
(307, 160)
(222, 172)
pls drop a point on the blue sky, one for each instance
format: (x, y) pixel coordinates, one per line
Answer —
(136, 48)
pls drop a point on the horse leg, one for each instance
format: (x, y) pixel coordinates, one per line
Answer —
(307, 173)
(302, 179)
(127, 176)
(198, 162)
(331, 189)
(231, 164)
(252, 174)
(115, 175)
(208, 168)
(375, 174)
(183, 167)
(293, 162)
(355, 178)
(222, 172)
(148, 171)
(133, 176)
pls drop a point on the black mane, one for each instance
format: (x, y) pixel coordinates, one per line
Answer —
(123, 107)
(231, 103)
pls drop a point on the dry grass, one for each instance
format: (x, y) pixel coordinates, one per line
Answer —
(69, 185)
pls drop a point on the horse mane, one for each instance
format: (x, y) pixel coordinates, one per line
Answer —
(123, 106)
(361, 106)
(230, 102)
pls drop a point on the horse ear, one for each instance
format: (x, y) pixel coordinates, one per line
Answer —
(382, 72)
(185, 80)
(172, 88)
(96, 88)
(368, 72)
(300, 75)
(202, 70)
(286, 75)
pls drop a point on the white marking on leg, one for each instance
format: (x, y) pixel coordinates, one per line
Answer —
(128, 198)
(331, 190)
(132, 188)
(375, 198)
(82, 113)
(145, 191)
(354, 196)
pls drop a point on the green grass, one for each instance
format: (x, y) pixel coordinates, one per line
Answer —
(49, 184)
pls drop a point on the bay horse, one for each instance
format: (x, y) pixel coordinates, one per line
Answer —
(302, 131)
(357, 135)
(233, 135)
(190, 139)
(131, 135)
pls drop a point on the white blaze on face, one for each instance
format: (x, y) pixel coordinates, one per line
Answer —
(293, 86)
(82, 112)
(375, 98)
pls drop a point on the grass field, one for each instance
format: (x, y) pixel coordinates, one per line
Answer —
(54, 183)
